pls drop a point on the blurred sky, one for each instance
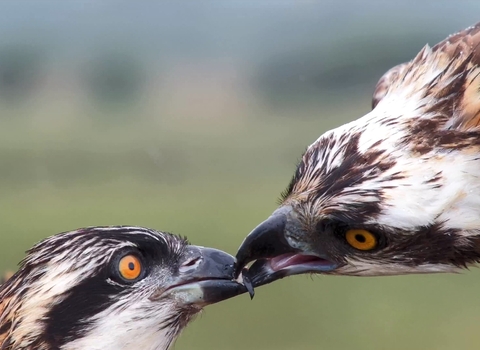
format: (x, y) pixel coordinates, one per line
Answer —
(190, 117)
(303, 46)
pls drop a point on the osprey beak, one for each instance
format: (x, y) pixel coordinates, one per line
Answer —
(206, 278)
(265, 241)
(281, 248)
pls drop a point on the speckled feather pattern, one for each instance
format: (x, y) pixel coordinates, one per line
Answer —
(55, 266)
(409, 169)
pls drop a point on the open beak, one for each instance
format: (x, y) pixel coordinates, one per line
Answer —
(206, 278)
(281, 247)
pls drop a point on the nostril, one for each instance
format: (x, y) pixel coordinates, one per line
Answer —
(190, 263)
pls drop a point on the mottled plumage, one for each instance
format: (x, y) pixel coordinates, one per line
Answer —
(407, 172)
(69, 294)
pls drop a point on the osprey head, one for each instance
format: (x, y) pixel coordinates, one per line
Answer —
(394, 192)
(110, 288)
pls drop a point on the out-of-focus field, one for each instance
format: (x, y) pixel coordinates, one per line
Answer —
(214, 185)
(191, 120)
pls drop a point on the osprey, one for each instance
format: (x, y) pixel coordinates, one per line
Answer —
(110, 288)
(394, 192)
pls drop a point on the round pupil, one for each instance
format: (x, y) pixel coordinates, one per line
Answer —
(131, 266)
(360, 238)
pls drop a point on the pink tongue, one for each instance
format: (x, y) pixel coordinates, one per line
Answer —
(282, 261)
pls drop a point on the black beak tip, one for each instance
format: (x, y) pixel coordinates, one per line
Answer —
(214, 275)
(215, 291)
(248, 283)
(265, 241)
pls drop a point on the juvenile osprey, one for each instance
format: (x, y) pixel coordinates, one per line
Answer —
(394, 192)
(110, 288)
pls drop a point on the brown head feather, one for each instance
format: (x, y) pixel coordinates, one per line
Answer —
(449, 76)
(385, 82)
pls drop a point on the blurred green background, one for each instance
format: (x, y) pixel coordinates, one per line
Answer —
(190, 117)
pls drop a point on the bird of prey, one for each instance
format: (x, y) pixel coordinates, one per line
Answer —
(110, 288)
(394, 192)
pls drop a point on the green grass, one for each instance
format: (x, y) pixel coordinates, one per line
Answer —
(214, 183)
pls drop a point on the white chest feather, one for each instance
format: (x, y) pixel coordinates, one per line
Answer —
(123, 329)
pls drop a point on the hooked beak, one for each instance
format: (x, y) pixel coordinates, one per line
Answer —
(206, 277)
(281, 247)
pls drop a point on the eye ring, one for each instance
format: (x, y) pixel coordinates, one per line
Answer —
(130, 267)
(361, 239)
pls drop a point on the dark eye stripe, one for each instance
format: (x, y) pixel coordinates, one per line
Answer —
(70, 317)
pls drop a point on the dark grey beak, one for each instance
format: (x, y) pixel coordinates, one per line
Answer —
(205, 277)
(267, 240)
(281, 247)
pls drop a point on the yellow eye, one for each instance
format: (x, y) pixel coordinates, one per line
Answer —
(130, 267)
(361, 239)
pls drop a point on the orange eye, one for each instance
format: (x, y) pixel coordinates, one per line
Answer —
(130, 267)
(361, 239)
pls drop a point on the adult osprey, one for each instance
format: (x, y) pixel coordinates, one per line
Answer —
(110, 288)
(394, 192)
